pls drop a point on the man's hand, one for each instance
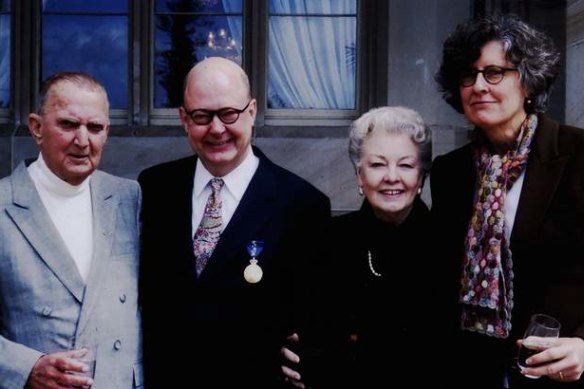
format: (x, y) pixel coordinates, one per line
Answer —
(60, 370)
(291, 375)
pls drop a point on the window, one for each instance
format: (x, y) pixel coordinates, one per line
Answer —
(304, 57)
(4, 54)
(89, 36)
(186, 32)
(315, 69)
(310, 55)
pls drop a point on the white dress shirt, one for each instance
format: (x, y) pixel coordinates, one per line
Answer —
(236, 183)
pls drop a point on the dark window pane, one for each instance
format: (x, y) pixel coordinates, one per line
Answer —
(5, 58)
(303, 7)
(97, 45)
(82, 6)
(183, 40)
(199, 6)
(4, 6)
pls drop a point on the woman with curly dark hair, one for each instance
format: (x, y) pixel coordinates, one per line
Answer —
(510, 208)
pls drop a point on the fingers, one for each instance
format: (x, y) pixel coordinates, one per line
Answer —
(564, 361)
(291, 374)
(289, 355)
(293, 338)
(59, 370)
(298, 384)
(538, 343)
(292, 377)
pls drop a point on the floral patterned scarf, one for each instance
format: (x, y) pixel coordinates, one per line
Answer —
(487, 282)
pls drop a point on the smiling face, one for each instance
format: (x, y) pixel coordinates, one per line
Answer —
(390, 174)
(215, 84)
(496, 109)
(71, 130)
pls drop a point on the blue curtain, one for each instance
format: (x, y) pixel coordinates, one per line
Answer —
(235, 25)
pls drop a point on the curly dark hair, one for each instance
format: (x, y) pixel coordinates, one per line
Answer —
(532, 52)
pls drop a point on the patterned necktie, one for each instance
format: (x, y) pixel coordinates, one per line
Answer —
(209, 230)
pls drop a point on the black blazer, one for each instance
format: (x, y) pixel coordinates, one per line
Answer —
(547, 243)
(230, 330)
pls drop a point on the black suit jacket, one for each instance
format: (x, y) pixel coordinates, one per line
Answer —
(230, 330)
(547, 244)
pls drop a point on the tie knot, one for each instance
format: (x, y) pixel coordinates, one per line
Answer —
(216, 184)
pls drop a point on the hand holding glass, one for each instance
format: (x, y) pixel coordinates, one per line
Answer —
(88, 358)
(540, 326)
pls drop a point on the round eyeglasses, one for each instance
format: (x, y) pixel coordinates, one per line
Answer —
(227, 115)
(492, 75)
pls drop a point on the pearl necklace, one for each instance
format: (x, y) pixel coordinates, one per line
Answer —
(376, 274)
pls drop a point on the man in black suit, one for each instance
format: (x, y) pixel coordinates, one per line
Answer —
(230, 326)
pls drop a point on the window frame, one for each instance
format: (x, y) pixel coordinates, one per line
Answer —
(142, 117)
(6, 112)
(306, 117)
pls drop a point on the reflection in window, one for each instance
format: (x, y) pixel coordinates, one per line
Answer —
(4, 54)
(187, 32)
(88, 36)
(311, 54)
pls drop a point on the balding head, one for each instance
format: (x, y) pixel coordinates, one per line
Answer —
(213, 70)
(213, 86)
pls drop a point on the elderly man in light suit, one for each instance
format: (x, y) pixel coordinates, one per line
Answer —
(69, 252)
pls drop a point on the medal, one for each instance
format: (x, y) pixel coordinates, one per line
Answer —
(253, 272)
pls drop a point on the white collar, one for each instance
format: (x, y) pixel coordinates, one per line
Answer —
(52, 183)
(236, 181)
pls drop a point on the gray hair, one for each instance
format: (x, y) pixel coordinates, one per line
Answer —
(82, 80)
(532, 52)
(392, 120)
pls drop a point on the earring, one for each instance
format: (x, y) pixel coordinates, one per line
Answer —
(360, 191)
(419, 190)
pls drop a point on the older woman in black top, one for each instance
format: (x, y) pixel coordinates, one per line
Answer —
(510, 207)
(377, 297)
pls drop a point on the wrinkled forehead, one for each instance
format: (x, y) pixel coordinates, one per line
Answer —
(66, 93)
(73, 102)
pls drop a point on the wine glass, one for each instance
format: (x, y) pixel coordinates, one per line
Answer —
(540, 326)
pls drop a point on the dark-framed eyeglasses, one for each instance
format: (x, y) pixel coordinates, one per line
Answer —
(227, 115)
(492, 74)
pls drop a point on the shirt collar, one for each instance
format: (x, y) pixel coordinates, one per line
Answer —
(236, 181)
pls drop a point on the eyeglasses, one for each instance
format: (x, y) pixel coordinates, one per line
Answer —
(492, 74)
(227, 115)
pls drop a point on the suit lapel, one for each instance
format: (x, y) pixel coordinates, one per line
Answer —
(31, 217)
(104, 205)
(542, 177)
(252, 213)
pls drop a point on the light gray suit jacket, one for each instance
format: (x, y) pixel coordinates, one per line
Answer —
(44, 302)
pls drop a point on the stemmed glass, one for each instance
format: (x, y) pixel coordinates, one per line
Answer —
(540, 326)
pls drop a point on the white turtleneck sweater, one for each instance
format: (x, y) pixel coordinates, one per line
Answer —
(69, 208)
